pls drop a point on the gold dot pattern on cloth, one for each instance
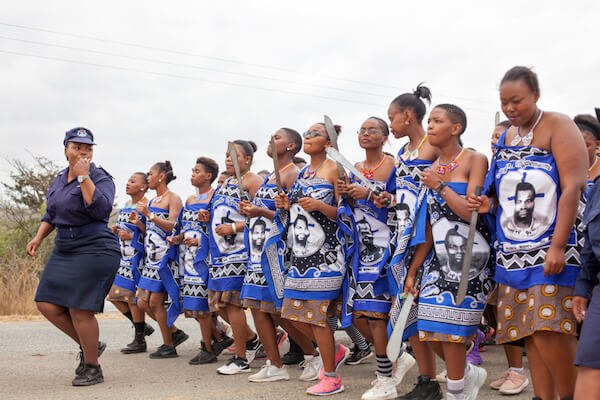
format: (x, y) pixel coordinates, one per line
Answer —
(119, 294)
(312, 312)
(538, 308)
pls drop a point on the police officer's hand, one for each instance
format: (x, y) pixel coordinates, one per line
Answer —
(33, 245)
(81, 166)
(579, 307)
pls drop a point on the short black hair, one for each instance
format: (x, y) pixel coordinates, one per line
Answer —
(525, 74)
(587, 122)
(413, 101)
(505, 124)
(143, 175)
(524, 186)
(449, 234)
(456, 115)
(294, 138)
(209, 166)
(297, 160)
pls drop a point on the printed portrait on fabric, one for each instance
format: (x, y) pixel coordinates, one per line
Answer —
(258, 236)
(406, 202)
(451, 247)
(529, 204)
(189, 254)
(373, 237)
(127, 250)
(230, 243)
(156, 246)
(307, 235)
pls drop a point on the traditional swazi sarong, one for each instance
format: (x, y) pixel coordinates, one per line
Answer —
(318, 266)
(256, 293)
(407, 232)
(132, 260)
(156, 246)
(193, 259)
(525, 180)
(229, 254)
(373, 234)
(439, 315)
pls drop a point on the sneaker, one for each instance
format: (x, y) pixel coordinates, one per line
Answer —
(90, 375)
(425, 389)
(280, 337)
(442, 377)
(312, 368)
(270, 373)
(234, 366)
(341, 355)
(474, 379)
(164, 351)
(148, 330)
(474, 357)
(498, 382)
(455, 396)
(514, 383)
(137, 346)
(358, 356)
(404, 363)
(261, 354)
(383, 388)
(204, 357)
(80, 366)
(327, 386)
(179, 337)
(219, 345)
(292, 358)
(253, 346)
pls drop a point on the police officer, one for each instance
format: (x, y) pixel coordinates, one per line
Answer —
(85, 258)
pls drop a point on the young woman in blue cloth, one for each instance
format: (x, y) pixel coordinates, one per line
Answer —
(85, 258)
(161, 216)
(455, 173)
(590, 129)
(535, 185)
(131, 239)
(317, 267)
(264, 273)
(193, 260)
(229, 255)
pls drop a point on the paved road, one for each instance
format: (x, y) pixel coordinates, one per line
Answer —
(37, 362)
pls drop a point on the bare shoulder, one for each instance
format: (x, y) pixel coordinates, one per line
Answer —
(191, 198)
(473, 156)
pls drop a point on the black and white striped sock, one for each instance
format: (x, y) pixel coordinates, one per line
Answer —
(357, 338)
(384, 366)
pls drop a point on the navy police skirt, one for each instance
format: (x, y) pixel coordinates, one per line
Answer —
(80, 271)
(588, 349)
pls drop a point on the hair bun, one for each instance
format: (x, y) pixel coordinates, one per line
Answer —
(423, 92)
(168, 164)
(253, 145)
(338, 128)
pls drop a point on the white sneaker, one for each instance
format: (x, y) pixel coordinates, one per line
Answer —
(383, 388)
(252, 347)
(234, 366)
(312, 368)
(404, 363)
(452, 396)
(270, 373)
(442, 377)
(474, 379)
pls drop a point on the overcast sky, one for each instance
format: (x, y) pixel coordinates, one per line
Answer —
(176, 80)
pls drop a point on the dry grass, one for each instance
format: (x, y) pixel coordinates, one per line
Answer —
(19, 277)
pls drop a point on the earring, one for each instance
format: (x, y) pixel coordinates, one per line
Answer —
(141, 190)
(160, 180)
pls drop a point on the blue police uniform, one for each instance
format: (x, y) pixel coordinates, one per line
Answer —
(588, 353)
(85, 258)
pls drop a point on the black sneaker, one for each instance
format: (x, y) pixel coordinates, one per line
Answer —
(137, 346)
(292, 358)
(179, 337)
(79, 369)
(425, 389)
(358, 356)
(164, 351)
(219, 345)
(204, 357)
(253, 346)
(148, 330)
(90, 375)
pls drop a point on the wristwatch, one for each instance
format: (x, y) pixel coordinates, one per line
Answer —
(151, 216)
(440, 187)
(81, 178)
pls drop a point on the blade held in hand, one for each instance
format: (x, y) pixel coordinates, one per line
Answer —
(395, 341)
(340, 159)
(234, 160)
(464, 277)
(275, 165)
(331, 132)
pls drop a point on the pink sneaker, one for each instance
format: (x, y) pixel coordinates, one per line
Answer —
(281, 336)
(514, 383)
(341, 355)
(498, 382)
(327, 386)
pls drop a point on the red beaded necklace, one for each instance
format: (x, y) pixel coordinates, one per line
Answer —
(368, 173)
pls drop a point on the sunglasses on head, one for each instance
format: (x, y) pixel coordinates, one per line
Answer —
(314, 134)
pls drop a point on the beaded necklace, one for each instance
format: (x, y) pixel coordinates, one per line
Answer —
(451, 166)
(368, 173)
(528, 137)
(593, 165)
(157, 199)
(311, 174)
(412, 155)
(204, 196)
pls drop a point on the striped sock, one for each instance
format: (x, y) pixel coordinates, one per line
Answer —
(332, 323)
(357, 338)
(384, 366)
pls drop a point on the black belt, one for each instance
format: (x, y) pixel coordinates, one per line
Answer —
(70, 232)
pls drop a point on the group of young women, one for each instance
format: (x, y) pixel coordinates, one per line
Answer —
(323, 247)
